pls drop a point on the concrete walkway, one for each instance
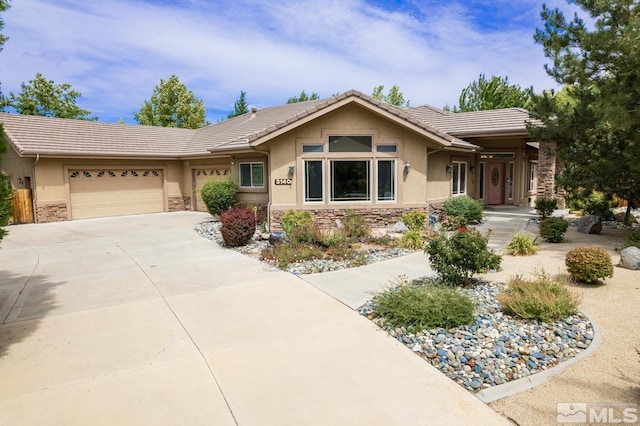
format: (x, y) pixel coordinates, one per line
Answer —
(354, 286)
(138, 320)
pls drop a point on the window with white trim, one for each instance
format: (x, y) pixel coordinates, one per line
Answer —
(252, 175)
(350, 180)
(386, 186)
(533, 175)
(459, 177)
(511, 180)
(313, 181)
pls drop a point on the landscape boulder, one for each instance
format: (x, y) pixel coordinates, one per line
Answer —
(630, 258)
(590, 225)
(277, 237)
(398, 228)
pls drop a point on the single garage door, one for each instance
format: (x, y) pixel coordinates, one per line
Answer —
(204, 175)
(115, 192)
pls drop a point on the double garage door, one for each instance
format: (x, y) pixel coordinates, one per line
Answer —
(204, 175)
(115, 192)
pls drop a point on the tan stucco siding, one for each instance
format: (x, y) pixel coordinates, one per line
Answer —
(14, 166)
(438, 180)
(412, 185)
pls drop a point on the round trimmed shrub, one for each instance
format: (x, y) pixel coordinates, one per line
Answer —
(553, 229)
(219, 195)
(238, 226)
(465, 207)
(588, 264)
(545, 207)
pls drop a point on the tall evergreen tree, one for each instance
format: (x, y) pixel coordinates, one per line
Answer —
(172, 105)
(6, 208)
(597, 121)
(240, 107)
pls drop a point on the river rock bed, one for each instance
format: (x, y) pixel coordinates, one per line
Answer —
(496, 348)
(211, 230)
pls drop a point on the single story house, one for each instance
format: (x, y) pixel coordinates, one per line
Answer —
(347, 152)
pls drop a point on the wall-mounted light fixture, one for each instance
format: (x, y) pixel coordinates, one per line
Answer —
(292, 168)
(449, 168)
(407, 167)
(472, 168)
(20, 181)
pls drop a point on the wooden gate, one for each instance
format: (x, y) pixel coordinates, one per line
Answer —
(23, 206)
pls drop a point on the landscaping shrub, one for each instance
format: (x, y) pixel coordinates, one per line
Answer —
(296, 219)
(542, 298)
(522, 244)
(415, 219)
(238, 226)
(219, 195)
(553, 229)
(458, 255)
(285, 254)
(451, 223)
(545, 207)
(589, 264)
(465, 207)
(329, 238)
(355, 226)
(304, 233)
(595, 203)
(413, 239)
(633, 238)
(420, 307)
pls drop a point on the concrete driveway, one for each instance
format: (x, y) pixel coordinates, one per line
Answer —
(139, 320)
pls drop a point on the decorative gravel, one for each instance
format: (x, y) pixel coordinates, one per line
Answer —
(211, 230)
(496, 348)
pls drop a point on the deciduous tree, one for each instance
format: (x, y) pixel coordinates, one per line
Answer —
(394, 96)
(495, 93)
(597, 120)
(303, 97)
(46, 98)
(172, 105)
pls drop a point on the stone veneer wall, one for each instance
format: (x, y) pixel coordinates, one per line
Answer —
(187, 202)
(51, 213)
(325, 218)
(176, 204)
(547, 166)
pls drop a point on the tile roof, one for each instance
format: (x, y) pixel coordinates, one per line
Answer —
(31, 135)
(508, 121)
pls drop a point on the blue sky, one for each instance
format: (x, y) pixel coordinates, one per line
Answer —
(116, 52)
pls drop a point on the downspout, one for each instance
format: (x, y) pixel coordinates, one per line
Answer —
(269, 192)
(33, 189)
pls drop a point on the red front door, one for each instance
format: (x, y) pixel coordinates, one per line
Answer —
(495, 178)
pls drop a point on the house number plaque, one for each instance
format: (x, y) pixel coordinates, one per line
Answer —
(284, 181)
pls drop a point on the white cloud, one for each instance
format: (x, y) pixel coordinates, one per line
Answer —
(116, 52)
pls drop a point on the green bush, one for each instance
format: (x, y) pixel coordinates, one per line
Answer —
(285, 254)
(219, 195)
(545, 207)
(542, 299)
(296, 219)
(465, 207)
(522, 244)
(413, 239)
(458, 255)
(594, 203)
(238, 226)
(420, 307)
(355, 226)
(329, 238)
(589, 264)
(553, 229)
(304, 233)
(451, 223)
(633, 238)
(415, 219)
